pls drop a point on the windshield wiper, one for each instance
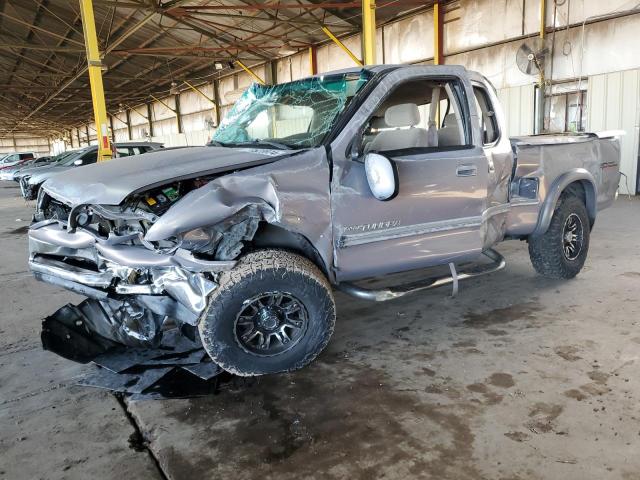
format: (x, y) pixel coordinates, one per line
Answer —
(268, 143)
(216, 143)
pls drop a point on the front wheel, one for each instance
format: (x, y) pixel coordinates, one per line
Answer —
(562, 250)
(273, 312)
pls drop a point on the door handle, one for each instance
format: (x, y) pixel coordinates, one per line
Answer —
(466, 171)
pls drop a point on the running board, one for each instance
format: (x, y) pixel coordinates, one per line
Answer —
(498, 263)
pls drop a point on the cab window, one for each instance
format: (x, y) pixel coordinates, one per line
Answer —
(420, 114)
(487, 116)
(123, 152)
(90, 157)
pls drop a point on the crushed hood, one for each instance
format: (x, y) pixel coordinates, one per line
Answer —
(109, 183)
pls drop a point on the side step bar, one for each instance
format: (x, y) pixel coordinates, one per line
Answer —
(497, 263)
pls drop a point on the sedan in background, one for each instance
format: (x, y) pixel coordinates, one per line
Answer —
(9, 173)
(31, 179)
(13, 159)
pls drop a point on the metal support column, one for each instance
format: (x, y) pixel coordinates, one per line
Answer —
(541, 91)
(112, 132)
(127, 116)
(95, 79)
(216, 97)
(313, 61)
(438, 16)
(178, 114)
(369, 32)
(149, 119)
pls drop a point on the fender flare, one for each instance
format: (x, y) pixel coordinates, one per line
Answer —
(270, 235)
(559, 185)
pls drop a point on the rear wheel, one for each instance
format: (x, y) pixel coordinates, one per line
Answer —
(274, 312)
(562, 250)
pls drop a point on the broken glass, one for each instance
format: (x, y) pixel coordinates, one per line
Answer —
(291, 115)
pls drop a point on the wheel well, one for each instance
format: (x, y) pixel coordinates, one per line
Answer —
(272, 236)
(585, 191)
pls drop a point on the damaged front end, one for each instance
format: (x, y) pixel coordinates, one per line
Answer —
(133, 284)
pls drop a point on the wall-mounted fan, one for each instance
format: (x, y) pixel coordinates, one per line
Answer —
(209, 123)
(532, 56)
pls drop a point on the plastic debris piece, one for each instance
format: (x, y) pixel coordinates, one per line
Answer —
(182, 359)
(204, 370)
(123, 382)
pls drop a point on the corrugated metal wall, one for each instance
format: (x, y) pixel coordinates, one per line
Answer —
(614, 104)
(483, 35)
(39, 146)
(518, 104)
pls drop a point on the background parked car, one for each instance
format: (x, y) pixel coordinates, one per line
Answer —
(9, 173)
(32, 179)
(15, 159)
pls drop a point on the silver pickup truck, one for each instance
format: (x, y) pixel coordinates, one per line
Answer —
(318, 183)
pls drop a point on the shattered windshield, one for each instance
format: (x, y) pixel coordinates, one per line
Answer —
(291, 115)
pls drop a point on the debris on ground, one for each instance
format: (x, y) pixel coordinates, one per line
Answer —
(177, 367)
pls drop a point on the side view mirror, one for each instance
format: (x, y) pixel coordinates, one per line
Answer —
(382, 176)
(78, 162)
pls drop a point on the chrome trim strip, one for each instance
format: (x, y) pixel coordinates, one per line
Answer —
(408, 231)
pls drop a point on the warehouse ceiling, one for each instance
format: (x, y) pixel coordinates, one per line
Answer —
(147, 45)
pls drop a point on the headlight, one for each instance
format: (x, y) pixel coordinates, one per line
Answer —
(199, 239)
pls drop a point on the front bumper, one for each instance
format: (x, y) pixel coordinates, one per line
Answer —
(116, 272)
(29, 192)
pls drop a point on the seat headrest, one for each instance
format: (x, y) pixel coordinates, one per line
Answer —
(403, 115)
(378, 122)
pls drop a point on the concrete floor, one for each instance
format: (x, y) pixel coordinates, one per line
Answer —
(517, 378)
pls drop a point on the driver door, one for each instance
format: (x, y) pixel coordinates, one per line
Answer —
(436, 215)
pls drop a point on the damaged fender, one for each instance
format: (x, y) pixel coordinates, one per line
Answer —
(292, 193)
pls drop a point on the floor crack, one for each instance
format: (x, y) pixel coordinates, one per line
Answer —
(137, 440)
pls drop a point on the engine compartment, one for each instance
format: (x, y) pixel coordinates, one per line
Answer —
(158, 200)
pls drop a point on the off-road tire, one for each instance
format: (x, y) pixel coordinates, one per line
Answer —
(256, 273)
(546, 251)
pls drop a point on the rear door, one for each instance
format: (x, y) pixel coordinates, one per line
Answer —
(436, 216)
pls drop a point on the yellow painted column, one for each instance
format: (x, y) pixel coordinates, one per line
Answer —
(95, 79)
(369, 32)
(313, 64)
(437, 34)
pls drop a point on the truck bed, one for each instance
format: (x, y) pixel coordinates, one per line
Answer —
(544, 162)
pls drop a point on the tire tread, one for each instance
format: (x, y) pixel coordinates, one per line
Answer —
(546, 256)
(257, 263)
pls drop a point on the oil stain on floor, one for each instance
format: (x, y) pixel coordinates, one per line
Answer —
(321, 416)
